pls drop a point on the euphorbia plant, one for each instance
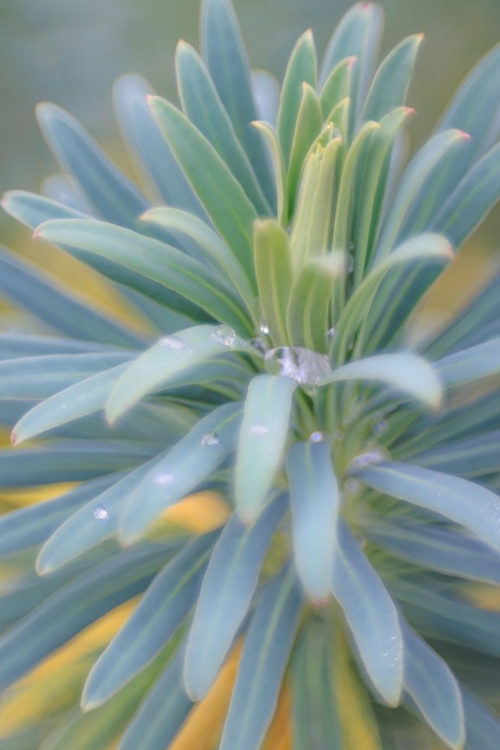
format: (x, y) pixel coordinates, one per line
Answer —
(356, 464)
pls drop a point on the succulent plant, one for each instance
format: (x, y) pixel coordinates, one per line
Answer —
(342, 462)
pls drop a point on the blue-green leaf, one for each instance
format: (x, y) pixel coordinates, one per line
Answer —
(302, 68)
(29, 526)
(481, 724)
(267, 646)
(76, 605)
(161, 713)
(226, 595)
(371, 616)
(463, 502)
(436, 548)
(392, 80)
(226, 58)
(262, 440)
(406, 372)
(222, 196)
(166, 360)
(105, 188)
(203, 107)
(431, 684)
(188, 463)
(155, 620)
(31, 288)
(143, 134)
(152, 259)
(315, 500)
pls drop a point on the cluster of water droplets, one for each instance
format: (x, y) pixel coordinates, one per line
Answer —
(211, 439)
(100, 513)
(297, 363)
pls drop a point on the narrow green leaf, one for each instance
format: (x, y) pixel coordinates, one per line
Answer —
(220, 193)
(307, 127)
(262, 440)
(202, 105)
(437, 548)
(161, 713)
(271, 140)
(471, 364)
(431, 684)
(156, 161)
(84, 397)
(337, 86)
(302, 68)
(392, 80)
(226, 595)
(92, 523)
(312, 226)
(165, 361)
(463, 502)
(472, 199)
(474, 108)
(108, 190)
(267, 646)
(76, 605)
(274, 276)
(266, 93)
(70, 461)
(469, 458)
(315, 711)
(314, 500)
(212, 245)
(32, 525)
(428, 160)
(428, 248)
(153, 259)
(481, 724)
(358, 34)
(40, 377)
(310, 301)
(17, 345)
(188, 463)
(159, 614)
(225, 55)
(371, 616)
(34, 290)
(406, 372)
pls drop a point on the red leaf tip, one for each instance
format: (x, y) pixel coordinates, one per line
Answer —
(13, 438)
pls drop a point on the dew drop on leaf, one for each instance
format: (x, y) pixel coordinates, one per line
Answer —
(224, 335)
(264, 328)
(210, 438)
(380, 426)
(163, 479)
(100, 513)
(316, 437)
(369, 457)
(258, 429)
(297, 363)
(172, 342)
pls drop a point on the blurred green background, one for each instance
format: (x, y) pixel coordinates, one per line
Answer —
(69, 52)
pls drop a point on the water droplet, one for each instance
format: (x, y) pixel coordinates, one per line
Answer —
(264, 328)
(380, 426)
(224, 335)
(316, 437)
(259, 429)
(336, 133)
(163, 479)
(100, 513)
(172, 342)
(331, 333)
(210, 438)
(350, 263)
(373, 456)
(297, 363)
